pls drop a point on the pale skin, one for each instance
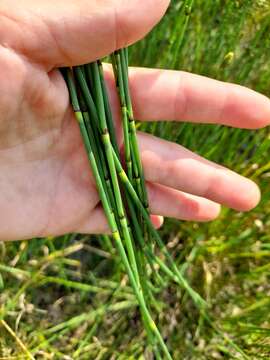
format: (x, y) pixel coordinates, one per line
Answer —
(46, 185)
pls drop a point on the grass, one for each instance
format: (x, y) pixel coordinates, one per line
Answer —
(227, 262)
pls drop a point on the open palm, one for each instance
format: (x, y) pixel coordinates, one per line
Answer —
(46, 185)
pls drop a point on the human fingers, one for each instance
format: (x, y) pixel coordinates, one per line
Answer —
(176, 204)
(180, 96)
(174, 166)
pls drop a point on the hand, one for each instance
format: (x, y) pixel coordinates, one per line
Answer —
(46, 185)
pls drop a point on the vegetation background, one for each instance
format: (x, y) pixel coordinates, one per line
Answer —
(69, 298)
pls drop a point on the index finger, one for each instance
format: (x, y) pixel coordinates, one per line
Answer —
(181, 96)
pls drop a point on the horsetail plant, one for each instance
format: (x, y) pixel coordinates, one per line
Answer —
(123, 196)
(132, 154)
(118, 234)
(127, 235)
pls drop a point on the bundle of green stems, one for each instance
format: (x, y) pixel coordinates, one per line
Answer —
(122, 188)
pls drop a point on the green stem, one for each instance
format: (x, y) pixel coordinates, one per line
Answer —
(123, 69)
(100, 116)
(107, 209)
(180, 279)
(122, 98)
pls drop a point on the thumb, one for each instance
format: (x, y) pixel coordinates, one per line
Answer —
(73, 32)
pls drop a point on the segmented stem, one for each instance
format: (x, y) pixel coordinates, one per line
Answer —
(99, 116)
